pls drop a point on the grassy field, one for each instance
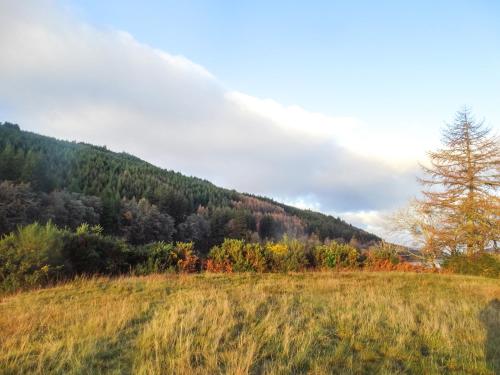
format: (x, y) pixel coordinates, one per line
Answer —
(317, 323)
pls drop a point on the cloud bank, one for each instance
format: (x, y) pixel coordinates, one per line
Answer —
(65, 78)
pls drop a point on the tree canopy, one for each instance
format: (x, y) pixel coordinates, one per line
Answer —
(70, 183)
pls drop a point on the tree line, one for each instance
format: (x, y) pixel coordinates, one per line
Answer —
(69, 183)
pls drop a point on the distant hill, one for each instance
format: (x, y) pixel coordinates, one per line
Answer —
(68, 182)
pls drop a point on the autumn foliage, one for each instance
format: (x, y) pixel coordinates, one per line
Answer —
(460, 208)
(294, 255)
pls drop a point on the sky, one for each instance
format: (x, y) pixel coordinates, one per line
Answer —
(328, 105)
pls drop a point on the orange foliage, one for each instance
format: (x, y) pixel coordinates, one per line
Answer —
(188, 262)
(387, 265)
(218, 267)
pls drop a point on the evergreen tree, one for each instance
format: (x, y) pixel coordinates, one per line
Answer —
(93, 171)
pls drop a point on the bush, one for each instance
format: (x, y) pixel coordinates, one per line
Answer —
(187, 261)
(287, 255)
(36, 255)
(478, 264)
(89, 252)
(258, 257)
(382, 256)
(335, 255)
(159, 257)
(236, 255)
(31, 256)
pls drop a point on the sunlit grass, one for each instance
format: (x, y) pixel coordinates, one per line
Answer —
(317, 323)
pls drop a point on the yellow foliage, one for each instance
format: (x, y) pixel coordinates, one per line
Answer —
(277, 248)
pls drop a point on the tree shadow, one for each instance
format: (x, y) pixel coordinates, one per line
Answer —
(490, 317)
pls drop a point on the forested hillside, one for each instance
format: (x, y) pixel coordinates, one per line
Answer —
(69, 183)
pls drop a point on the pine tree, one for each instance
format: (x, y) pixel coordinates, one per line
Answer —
(461, 187)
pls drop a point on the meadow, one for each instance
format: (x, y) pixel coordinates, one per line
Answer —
(296, 323)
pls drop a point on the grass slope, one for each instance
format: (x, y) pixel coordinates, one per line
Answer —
(318, 323)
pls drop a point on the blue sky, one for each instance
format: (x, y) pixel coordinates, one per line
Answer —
(327, 105)
(384, 61)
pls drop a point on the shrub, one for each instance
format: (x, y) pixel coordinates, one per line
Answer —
(214, 266)
(89, 252)
(257, 257)
(187, 261)
(234, 253)
(239, 256)
(287, 255)
(165, 257)
(157, 257)
(384, 256)
(31, 256)
(85, 228)
(335, 255)
(478, 264)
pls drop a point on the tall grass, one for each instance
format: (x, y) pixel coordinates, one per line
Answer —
(317, 323)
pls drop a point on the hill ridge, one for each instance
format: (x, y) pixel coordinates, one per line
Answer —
(121, 180)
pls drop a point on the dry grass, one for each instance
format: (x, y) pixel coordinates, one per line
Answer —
(317, 323)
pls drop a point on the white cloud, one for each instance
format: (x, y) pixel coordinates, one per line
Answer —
(295, 118)
(71, 80)
(373, 221)
(305, 203)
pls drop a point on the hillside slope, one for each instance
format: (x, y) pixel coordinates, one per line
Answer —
(127, 195)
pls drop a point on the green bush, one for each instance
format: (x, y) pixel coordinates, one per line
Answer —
(478, 264)
(288, 255)
(31, 256)
(335, 255)
(258, 257)
(36, 255)
(89, 252)
(237, 254)
(159, 257)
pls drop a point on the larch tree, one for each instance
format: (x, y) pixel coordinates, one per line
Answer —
(460, 189)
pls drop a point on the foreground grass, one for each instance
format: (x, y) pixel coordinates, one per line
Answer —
(318, 323)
